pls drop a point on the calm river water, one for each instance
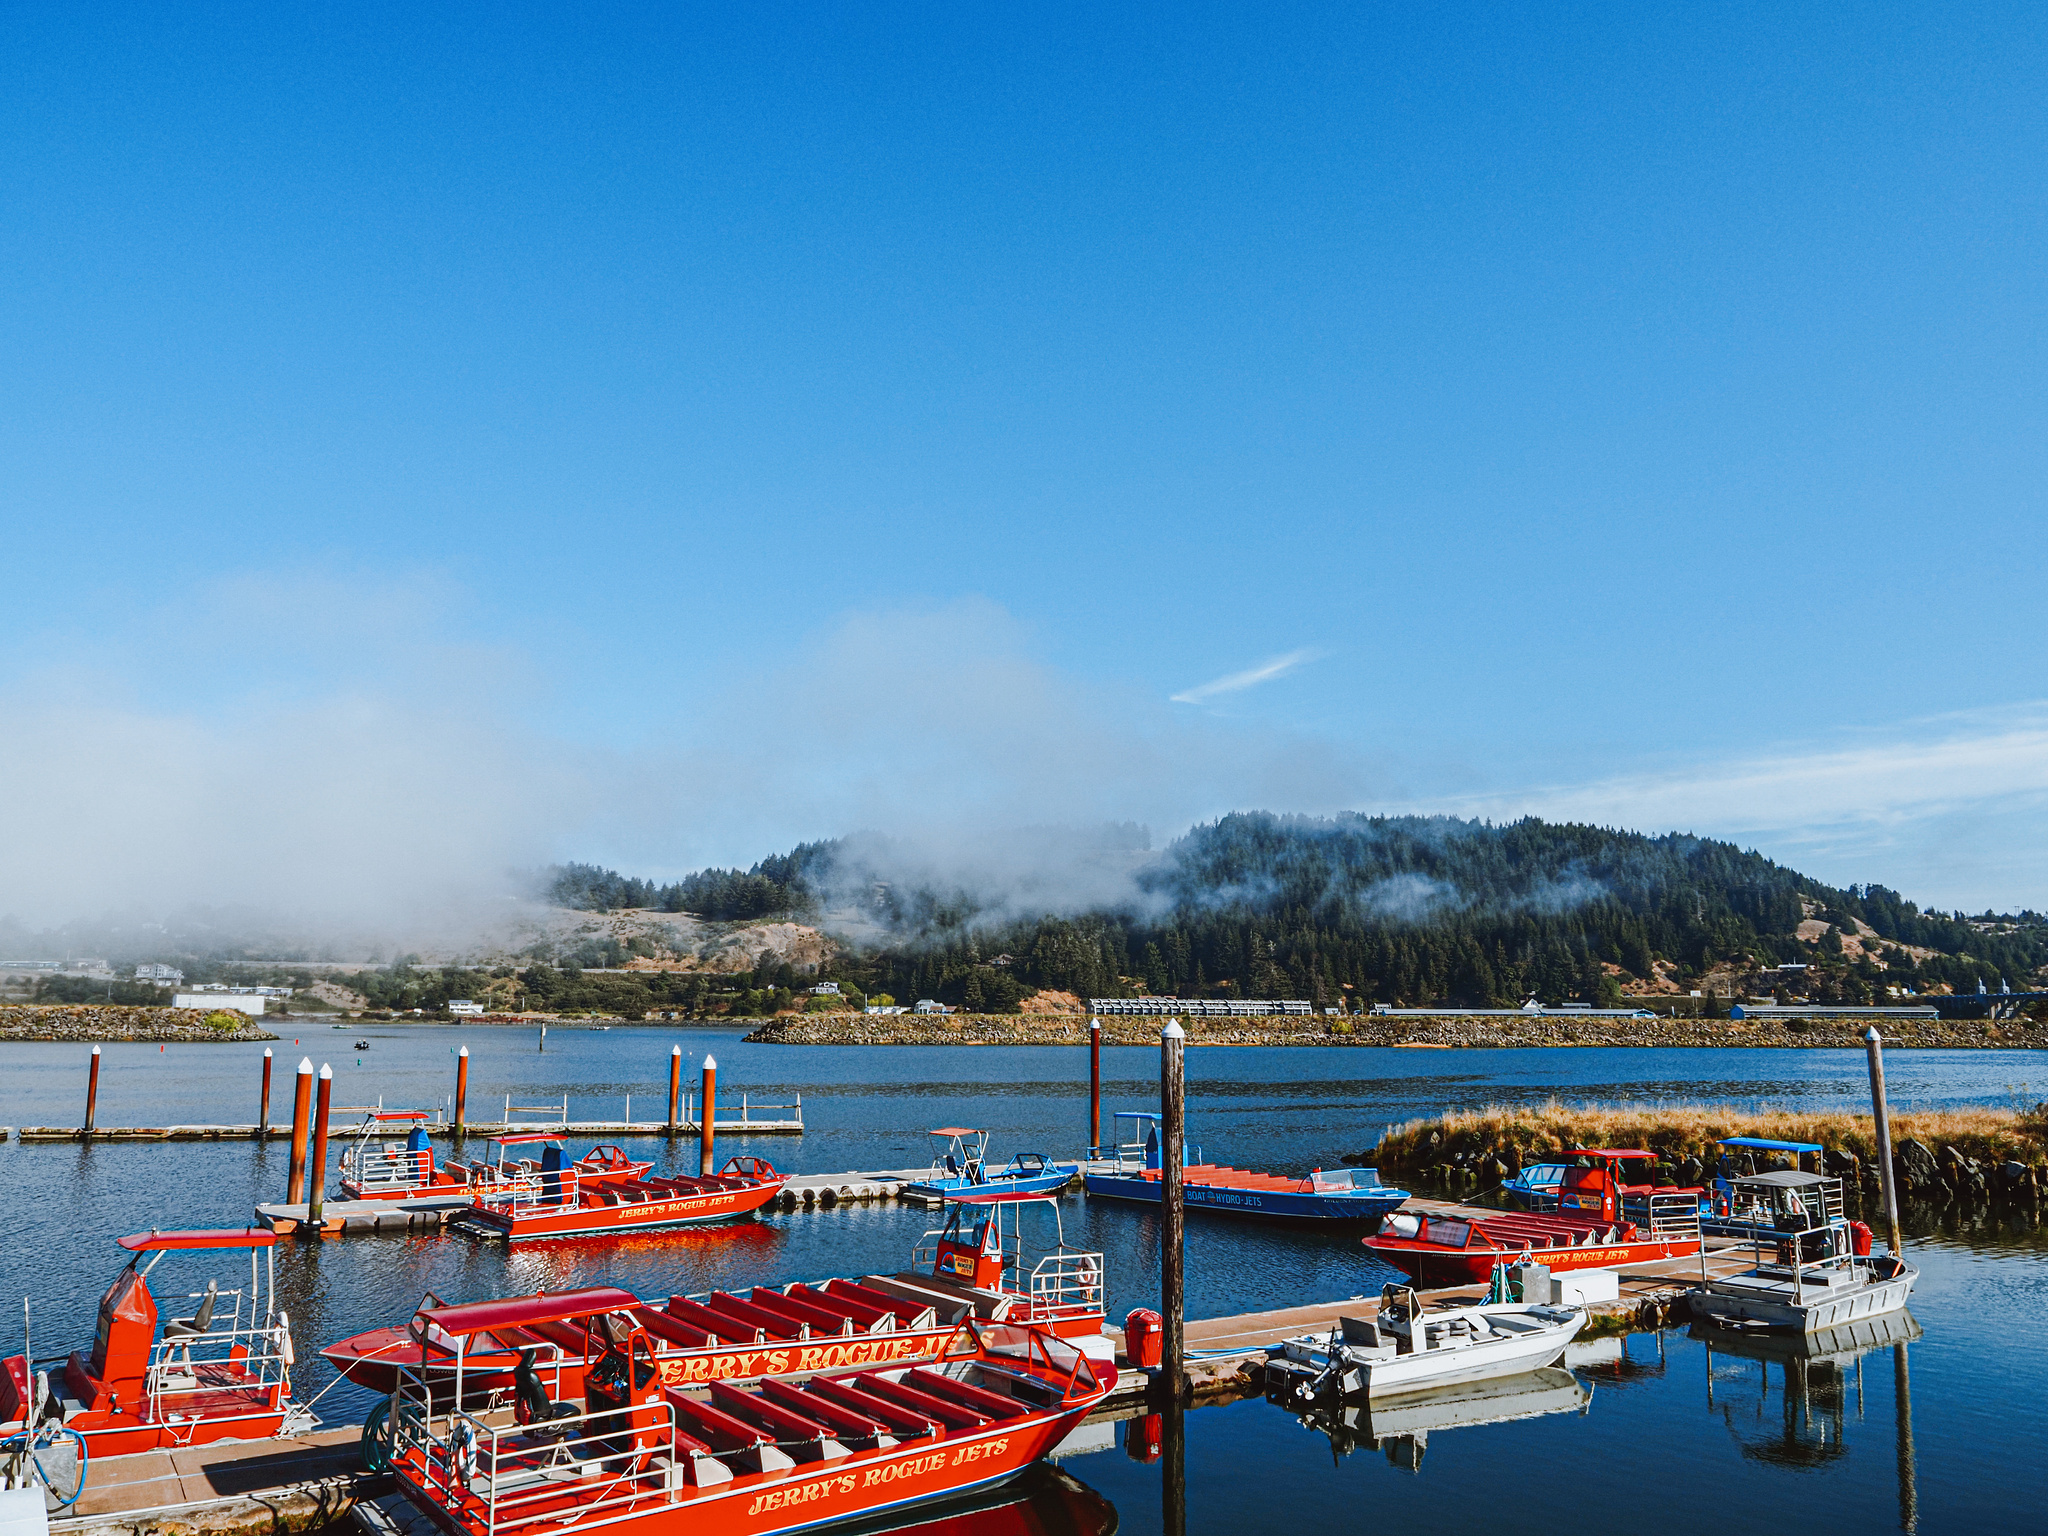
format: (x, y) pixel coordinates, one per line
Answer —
(1944, 1433)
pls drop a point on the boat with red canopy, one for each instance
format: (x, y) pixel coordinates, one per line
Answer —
(980, 1264)
(1600, 1221)
(636, 1453)
(376, 1167)
(221, 1373)
(555, 1199)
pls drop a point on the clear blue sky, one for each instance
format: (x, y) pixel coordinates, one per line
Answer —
(1593, 410)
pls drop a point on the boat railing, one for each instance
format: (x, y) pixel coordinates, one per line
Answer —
(517, 1189)
(390, 1166)
(1664, 1213)
(1067, 1277)
(233, 1357)
(495, 1475)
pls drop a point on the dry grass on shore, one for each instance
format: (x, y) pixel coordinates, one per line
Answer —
(1684, 1130)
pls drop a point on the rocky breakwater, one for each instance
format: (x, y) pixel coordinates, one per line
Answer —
(92, 1024)
(1446, 1031)
(1990, 1156)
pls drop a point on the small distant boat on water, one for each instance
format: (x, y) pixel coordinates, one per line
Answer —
(1407, 1349)
(1342, 1195)
(960, 1170)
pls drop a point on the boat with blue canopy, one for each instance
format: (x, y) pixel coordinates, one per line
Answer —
(1535, 1187)
(1345, 1194)
(1725, 1213)
(960, 1170)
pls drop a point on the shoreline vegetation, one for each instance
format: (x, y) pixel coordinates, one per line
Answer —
(1443, 1033)
(111, 1023)
(1993, 1154)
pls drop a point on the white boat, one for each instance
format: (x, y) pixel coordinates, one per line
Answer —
(1407, 1349)
(1808, 1273)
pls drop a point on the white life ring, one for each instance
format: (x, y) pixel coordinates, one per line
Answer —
(462, 1452)
(1090, 1277)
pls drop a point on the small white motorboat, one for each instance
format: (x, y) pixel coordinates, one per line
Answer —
(1407, 1349)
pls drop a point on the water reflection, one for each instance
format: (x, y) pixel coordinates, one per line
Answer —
(1043, 1501)
(1805, 1421)
(1400, 1427)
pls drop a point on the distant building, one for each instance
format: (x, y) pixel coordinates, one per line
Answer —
(167, 975)
(1197, 1007)
(464, 1005)
(241, 1002)
(926, 1005)
(825, 989)
(879, 1008)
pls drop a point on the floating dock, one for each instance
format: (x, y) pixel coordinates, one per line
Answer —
(298, 1483)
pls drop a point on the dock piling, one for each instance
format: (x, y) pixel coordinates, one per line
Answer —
(1172, 1278)
(710, 1113)
(263, 1106)
(316, 1168)
(1881, 1124)
(1095, 1087)
(675, 1090)
(302, 1110)
(462, 1090)
(92, 1093)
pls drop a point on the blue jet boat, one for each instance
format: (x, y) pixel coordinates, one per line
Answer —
(1348, 1194)
(1535, 1187)
(960, 1170)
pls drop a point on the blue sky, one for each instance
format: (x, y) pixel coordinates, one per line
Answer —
(720, 427)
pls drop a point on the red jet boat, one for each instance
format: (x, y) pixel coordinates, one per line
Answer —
(637, 1455)
(382, 1169)
(1600, 1222)
(223, 1373)
(556, 1200)
(977, 1265)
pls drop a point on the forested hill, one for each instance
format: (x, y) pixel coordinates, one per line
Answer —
(1408, 910)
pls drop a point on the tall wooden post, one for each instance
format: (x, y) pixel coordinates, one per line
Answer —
(461, 1090)
(1172, 1287)
(316, 1167)
(1881, 1118)
(263, 1108)
(1095, 1087)
(302, 1111)
(708, 1113)
(92, 1095)
(675, 1090)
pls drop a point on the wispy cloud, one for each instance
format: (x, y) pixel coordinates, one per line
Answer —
(1952, 808)
(1251, 677)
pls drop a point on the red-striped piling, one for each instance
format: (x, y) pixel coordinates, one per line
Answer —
(707, 1113)
(263, 1105)
(316, 1169)
(675, 1090)
(92, 1094)
(302, 1110)
(461, 1089)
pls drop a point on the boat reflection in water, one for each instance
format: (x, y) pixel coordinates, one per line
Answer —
(1820, 1393)
(1401, 1426)
(1043, 1501)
